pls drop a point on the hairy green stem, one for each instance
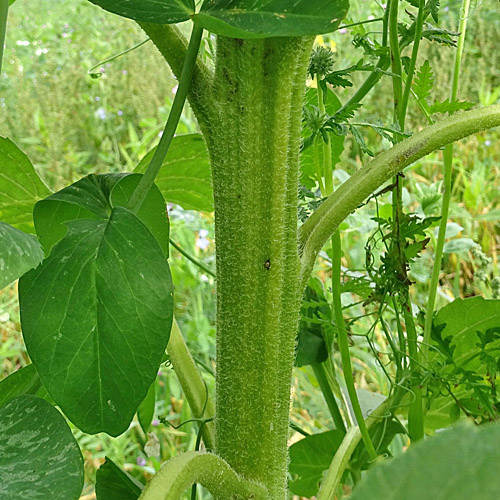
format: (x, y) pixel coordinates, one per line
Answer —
(4, 12)
(148, 179)
(259, 91)
(325, 220)
(397, 66)
(331, 402)
(448, 163)
(192, 383)
(180, 472)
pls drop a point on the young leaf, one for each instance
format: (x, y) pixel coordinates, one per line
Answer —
(433, 6)
(20, 187)
(461, 463)
(309, 458)
(96, 318)
(266, 18)
(39, 456)
(150, 11)
(113, 483)
(184, 177)
(19, 252)
(18, 383)
(424, 81)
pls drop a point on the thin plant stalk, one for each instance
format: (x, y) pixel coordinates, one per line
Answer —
(147, 180)
(343, 341)
(4, 12)
(448, 163)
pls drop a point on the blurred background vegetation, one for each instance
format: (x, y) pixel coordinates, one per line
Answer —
(71, 124)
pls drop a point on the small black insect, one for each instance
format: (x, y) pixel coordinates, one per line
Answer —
(267, 264)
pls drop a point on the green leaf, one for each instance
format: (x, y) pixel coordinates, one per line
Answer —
(153, 211)
(19, 252)
(150, 11)
(184, 177)
(18, 383)
(96, 318)
(20, 187)
(433, 6)
(424, 81)
(93, 197)
(146, 410)
(265, 18)
(464, 319)
(459, 464)
(113, 483)
(309, 457)
(39, 457)
(448, 106)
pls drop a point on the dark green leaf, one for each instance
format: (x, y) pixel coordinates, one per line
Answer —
(96, 318)
(433, 6)
(146, 410)
(265, 18)
(309, 457)
(19, 252)
(39, 458)
(93, 197)
(459, 464)
(23, 381)
(448, 106)
(113, 483)
(150, 11)
(153, 211)
(184, 177)
(20, 187)
(424, 81)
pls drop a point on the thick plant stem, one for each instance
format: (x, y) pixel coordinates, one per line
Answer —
(147, 180)
(325, 221)
(259, 91)
(4, 12)
(192, 383)
(180, 472)
(448, 163)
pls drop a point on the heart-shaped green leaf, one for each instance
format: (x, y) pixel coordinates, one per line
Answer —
(184, 177)
(18, 383)
(39, 458)
(150, 11)
(19, 252)
(20, 187)
(96, 318)
(459, 464)
(267, 18)
(93, 197)
(113, 483)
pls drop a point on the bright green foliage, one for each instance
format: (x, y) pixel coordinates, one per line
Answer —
(309, 458)
(39, 457)
(464, 319)
(146, 410)
(20, 187)
(150, 11)
(459, 464)
(96, 318)
(23, 381)
(184, 177)
(19, 252)
(263, 18)
(112, 483)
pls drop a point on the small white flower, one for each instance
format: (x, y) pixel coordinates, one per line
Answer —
(203, 233)
(101, 113)
(23, 43)
(202, 243)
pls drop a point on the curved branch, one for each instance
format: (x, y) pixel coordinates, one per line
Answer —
(180, 472)
(172, 45)
(327, 218)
